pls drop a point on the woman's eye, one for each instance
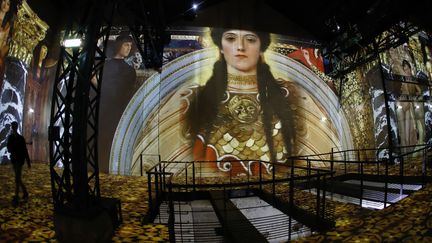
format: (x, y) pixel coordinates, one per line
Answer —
(230, 38)
(251, 39)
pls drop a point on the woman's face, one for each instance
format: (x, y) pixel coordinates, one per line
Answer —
(125, 49)
(5, 5)
(43, 52)
(407, 70)
(241, 50)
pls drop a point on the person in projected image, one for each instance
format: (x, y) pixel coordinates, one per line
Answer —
(242, 113)
(118, 86)
(8, 9)
(409, 134)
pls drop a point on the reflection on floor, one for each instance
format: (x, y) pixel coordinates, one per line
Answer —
(409, 220)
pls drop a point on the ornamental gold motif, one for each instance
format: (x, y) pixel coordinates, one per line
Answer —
(29, 30)
(356, 100)
(244, 109)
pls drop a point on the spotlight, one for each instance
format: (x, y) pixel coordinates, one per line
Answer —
(72, 42)
(31, 110)
(195, 6)
(323, 119)
(417, 107)
(399, 107)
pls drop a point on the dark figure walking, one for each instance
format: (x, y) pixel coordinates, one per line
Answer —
(17, 148)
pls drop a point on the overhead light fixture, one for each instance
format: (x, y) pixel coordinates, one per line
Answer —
(323, 119)
(72, 43)
(195, 6)
(31, 110)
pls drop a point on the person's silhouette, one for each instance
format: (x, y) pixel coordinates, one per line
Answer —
(17, 148)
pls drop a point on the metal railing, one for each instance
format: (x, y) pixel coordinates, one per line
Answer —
(283, 184)
(273, 182)
(412, 166)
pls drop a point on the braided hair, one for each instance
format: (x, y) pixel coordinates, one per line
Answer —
(205, 107)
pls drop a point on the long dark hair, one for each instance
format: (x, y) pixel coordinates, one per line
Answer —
(205, 107)
(10, 15)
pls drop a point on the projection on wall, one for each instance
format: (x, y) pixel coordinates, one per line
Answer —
(407, 74)
(404, 72)
(227, 95)
(124, 72)
(12, 81)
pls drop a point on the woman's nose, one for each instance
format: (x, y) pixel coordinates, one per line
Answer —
(240, 46)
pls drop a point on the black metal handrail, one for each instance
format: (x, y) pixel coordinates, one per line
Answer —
(168, 177)
(357, 151)
(179, 176)
(364, 165)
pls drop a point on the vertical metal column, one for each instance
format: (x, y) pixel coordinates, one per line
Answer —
(75, 108)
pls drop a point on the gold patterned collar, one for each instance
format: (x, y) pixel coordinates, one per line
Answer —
(242, 83)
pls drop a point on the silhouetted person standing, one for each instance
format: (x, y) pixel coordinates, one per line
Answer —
(17, 148)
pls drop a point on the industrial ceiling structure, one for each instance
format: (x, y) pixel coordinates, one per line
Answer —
(322, 19)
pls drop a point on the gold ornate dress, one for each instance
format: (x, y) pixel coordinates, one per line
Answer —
(237, 141)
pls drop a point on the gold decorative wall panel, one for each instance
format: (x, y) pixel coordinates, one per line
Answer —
(356, 102)
(29, 31)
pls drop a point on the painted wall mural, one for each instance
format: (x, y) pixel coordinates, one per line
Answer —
(207, 104)
(17, 42)
(225, 95)
(124, 73)
(408, 80)
(404, 72)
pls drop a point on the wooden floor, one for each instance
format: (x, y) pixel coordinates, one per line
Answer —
(410, 220)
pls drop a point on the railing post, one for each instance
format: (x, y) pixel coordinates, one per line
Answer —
(358, 160)
(291, 197)
(378, 167)
(163, 178)
(386, 183)
(171, 219)
(289, 226)
(318, 195)
(401, 174)
(291, 194)
(424, 167)
(331, 168)
(345, 162)
(273, 182)
(186, 175)
(193, 176)
(324, 197)
(161, 185)
(149, 191)
(260, 176)
(331, 162)
(230, 172)
(361, 183)
(308, 162)
(248, 174)
(141, 164)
